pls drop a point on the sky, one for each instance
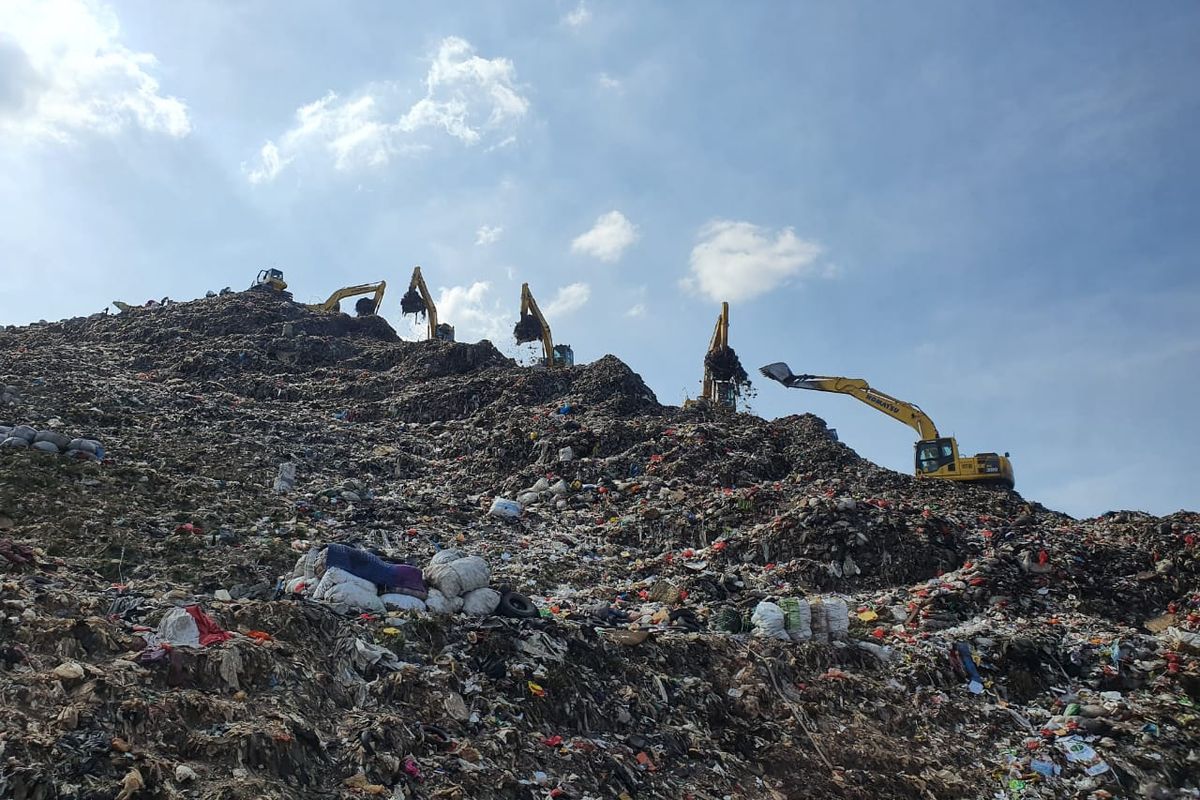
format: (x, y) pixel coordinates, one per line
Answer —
(991, 210)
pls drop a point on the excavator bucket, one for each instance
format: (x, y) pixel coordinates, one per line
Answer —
(412, 302)
(724, 365)
(528, 329)
(778, 371)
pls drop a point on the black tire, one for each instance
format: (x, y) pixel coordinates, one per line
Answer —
(516, 605)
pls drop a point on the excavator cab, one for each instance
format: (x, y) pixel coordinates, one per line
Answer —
(271, 278)
(444, 332)
(726, 394)
(935, 454)
(564, 356)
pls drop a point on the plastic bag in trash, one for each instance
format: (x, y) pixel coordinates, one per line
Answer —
(286, 480)
(178, 628)
(507, 509)
(768, 622)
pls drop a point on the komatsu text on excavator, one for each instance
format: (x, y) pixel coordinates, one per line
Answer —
(936, 456)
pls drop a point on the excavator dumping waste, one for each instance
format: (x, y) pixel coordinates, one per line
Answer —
(418, 301)
(527, 330)
(412, 302)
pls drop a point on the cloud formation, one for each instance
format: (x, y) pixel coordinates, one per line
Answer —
(488, 234)
(579, 17)
(467, 98)
(608, 239)
(64, 71)
(568, 299)
(610, 83)
(474, 313)
(739, 260)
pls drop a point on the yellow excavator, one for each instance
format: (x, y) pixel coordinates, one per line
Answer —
(533, 327)
(365, 307)
(721, 367)
(936, 456)
(418, 300)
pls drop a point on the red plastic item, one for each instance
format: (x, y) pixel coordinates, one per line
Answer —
(210, 632)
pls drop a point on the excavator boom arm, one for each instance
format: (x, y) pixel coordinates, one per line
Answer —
(718, 342)
(351, 291)
(418, 283)
(908, 413)
(530, 306)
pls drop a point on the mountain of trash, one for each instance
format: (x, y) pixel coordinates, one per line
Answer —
(249, 550)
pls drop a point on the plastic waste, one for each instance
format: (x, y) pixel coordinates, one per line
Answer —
(506, 509)
(178, 628)
(285, 481)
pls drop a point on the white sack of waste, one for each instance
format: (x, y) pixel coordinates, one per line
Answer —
(768, 622)
(438, 603)
(402, 602)
(480, 602)
(459, 577)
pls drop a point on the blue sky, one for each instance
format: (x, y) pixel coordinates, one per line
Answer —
(990, 210)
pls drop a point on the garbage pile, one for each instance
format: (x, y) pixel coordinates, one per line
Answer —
(313, 560)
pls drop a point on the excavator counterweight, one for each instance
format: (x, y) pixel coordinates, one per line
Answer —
(936, 456)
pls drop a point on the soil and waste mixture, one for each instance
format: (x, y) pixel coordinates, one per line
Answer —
(527, 329)
(412, 302)
(972, 643)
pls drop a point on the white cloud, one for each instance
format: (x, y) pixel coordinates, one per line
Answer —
(608, 238)
(739, 260)
(467, 98)
(579, 17)
(65, 71)
(607, 81)
(568, 299)
(270, 164)
(638, 310)
(474, 313)
(488, 234)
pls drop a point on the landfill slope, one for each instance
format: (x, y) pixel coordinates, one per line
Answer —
(994, 648)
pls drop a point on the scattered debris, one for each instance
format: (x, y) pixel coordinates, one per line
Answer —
(594, 569)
